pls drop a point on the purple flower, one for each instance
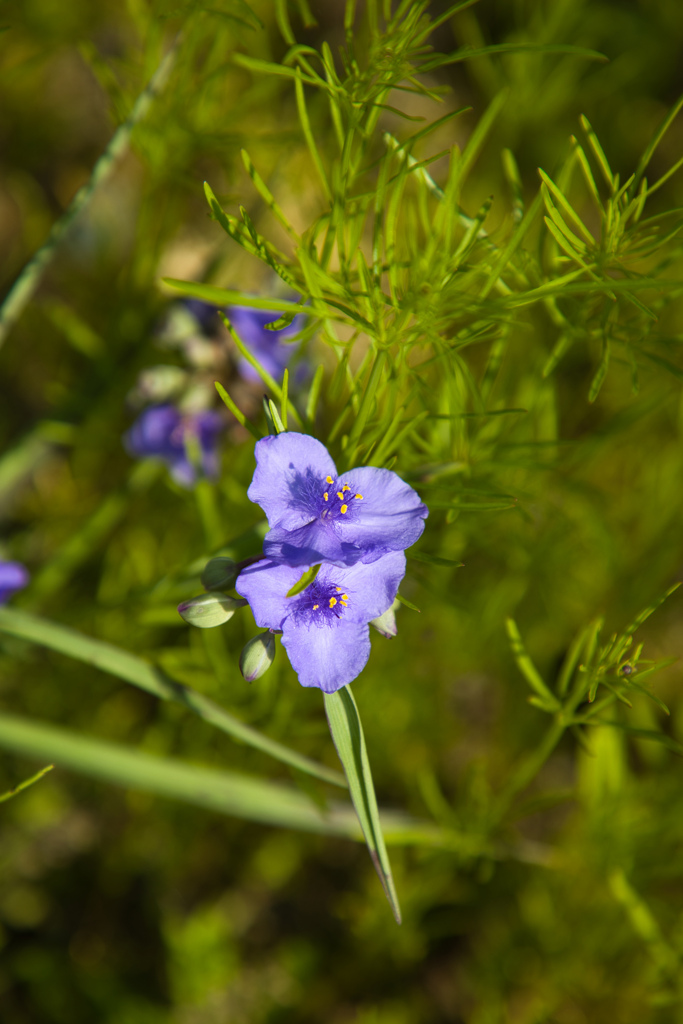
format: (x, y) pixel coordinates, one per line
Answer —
(316, 515)
(204, 313)
(162, 431)
(324, 628)
(13, 576)
(267, 346)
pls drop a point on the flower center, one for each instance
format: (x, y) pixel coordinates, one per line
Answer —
(322, 603)
(338, 500)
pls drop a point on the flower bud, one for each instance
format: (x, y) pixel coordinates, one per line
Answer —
(386, 623)
(208, 610)
(257, 656)
(219, 574)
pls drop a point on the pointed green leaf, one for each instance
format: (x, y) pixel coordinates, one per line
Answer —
(275, 425)
(347, 734)
(529, 670)
(314, 395)
(407, 603)
(304, 581)
(237, 413)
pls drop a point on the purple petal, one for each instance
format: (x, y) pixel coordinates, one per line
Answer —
(250, 325)
(160, 432)
(289, 478)
(267, 346)
(372, 588)
(204, 313)
(265, 585)
(318, 541)
(327, 658)
(391, 516)
(13, 576)
(153, 432)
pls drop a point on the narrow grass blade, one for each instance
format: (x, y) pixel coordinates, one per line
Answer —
(227, 297)
(242, 796)
(647, 612)
(656, 139)
(308, 135)
(365, 405)
(526, 666)
(314, 395)
(26, 783)
(347, 734)
(598, 151)
(25, 286)
(269, 381)
(601, 373)
(237, 413)
(148, 677)
(267, 195)
(285, 394)
(567, 207)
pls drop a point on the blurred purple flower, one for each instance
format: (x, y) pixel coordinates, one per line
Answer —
(13, 576)
(269, 347)
(163, 432)
(324, 628)
(205, 313)
(316, 515)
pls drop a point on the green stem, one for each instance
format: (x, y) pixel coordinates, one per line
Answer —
(25, 286)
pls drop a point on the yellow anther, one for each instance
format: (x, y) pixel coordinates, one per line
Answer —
(333, 601)
(344, 509)
(328, 479)
(345, 597)
(338, 589)
(315, 607)
(343, 604)
(340, 495)
(359, 496)
(326, 496)
(346, 487)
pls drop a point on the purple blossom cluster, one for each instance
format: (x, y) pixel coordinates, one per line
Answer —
(188, 441)
(355, 526)
(163, 432)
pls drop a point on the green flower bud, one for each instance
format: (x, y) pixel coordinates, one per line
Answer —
(219, 574)
(208, 610)
(257, 656)
(386, 623)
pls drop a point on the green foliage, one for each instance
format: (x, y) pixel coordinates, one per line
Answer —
(480, 218)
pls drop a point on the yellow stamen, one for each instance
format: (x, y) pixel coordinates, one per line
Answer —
(326, 496)
(340, 495)
(328, 479)
(345, 597)
(343, 604)
(315, 607)
(346, 487)
(333, 601)
(343, 509)
(338, 589)
(359, 496)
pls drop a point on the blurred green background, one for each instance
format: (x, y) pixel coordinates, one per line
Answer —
(121, 908)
